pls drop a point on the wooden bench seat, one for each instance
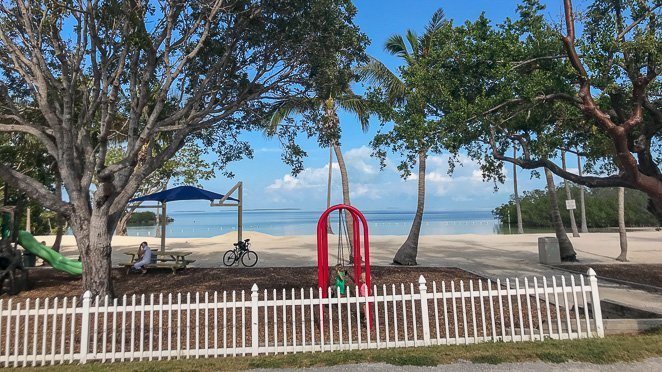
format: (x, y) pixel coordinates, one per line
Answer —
(174, 267)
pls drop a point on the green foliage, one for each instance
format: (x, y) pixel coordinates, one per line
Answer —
(142, 219)
(24, 153)
(400, 99)
(494, 84)
(601, 208)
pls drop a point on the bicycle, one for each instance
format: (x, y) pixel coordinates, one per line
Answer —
(241, 252)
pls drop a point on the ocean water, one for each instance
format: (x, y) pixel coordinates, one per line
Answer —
(294, 222)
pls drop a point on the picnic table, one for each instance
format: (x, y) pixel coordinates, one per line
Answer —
(173, 260)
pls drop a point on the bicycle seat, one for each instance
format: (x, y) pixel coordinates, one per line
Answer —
(247, 240)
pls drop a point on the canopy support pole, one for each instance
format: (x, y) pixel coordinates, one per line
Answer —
(164, 222)
(240, 212)
(239, 187)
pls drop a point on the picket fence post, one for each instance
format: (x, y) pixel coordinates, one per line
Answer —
(85, 327)
(425, 316)
(595, 303)
(254, 324)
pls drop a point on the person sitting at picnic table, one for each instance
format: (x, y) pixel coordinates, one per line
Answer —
(144, 257)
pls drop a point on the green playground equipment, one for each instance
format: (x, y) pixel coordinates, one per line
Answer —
(30, 244)
(55, 259)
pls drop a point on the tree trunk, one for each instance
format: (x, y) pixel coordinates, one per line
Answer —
(518, 209)
(582, 205)
(122, 223)
(59, 220)
(406, 255)
(28, 221)
(328, 189)
(58, 234)
(345, 196)
(565, 245)
(622, 234)
(568, 196)
(124, 220)
(93, 237)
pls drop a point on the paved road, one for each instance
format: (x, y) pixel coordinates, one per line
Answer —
(654, 364)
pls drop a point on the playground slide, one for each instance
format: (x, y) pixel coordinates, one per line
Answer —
(58, 261)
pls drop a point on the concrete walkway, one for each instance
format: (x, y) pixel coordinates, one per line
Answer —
(653, 364)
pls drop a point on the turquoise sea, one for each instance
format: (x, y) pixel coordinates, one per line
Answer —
(295, 222)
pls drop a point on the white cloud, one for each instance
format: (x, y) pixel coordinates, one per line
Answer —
(360, 160)
(374, 189)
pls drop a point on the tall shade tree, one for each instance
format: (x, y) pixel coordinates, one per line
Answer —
(548, 87)
(87, 67)
(399, 102)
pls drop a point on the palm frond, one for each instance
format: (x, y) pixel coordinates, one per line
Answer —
(395, 45)
(356, 105)
(412, 38)
(376, 73)
(437, 20)
(286, 108)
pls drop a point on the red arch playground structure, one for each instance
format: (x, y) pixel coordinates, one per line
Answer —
(359, 224)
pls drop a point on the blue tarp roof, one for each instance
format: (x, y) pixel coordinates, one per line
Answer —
(182, 193)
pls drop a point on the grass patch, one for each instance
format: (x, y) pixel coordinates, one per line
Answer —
(551, 357)
(597, 351)
(488, 359)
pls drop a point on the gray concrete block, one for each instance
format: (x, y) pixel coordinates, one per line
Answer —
(548, 250)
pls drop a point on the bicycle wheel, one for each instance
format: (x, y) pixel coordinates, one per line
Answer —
(249, 258)
(229, 258)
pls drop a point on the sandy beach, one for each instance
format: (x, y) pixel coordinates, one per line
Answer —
(502, 255)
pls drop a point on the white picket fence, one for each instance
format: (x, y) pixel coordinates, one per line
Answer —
(155, 327)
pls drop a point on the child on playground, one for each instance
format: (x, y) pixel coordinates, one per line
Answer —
(144, 257)
(363, 292)
(339, 280)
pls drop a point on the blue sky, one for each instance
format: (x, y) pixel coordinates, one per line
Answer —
(268, 183)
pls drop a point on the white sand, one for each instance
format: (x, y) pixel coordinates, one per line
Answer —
(500, 255)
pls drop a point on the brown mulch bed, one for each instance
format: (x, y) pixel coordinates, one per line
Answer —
(297, 322)
(45, 282)
(644, 276)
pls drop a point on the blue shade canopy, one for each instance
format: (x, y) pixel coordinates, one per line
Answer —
(182, 193)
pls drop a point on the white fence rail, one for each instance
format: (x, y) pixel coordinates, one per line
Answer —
(155, 327)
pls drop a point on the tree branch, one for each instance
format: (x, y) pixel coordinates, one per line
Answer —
(35, 190)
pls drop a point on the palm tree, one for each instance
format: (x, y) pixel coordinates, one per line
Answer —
(328, 189)
(568, 196)
(518, 208)
(327, 102)
(397, 93)
(565, 245)
(582, 206)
